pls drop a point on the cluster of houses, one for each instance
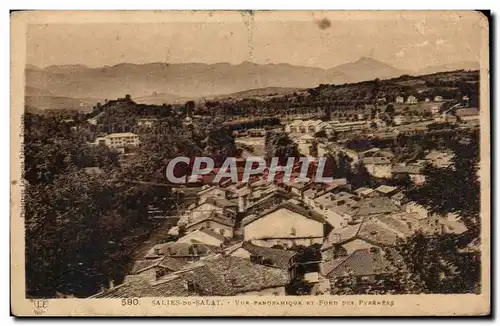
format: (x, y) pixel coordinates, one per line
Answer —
(249, 238)
(379, 162)
(411, 99)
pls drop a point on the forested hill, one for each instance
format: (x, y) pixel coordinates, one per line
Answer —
(449, 85)
(337, 98)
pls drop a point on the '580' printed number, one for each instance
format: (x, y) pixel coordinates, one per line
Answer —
(130, 302)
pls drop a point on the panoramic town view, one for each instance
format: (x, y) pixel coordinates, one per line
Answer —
(128, 191)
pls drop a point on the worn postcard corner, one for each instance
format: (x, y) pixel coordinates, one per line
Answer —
(250, 163)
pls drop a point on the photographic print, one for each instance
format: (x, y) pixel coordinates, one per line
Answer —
(250, 163)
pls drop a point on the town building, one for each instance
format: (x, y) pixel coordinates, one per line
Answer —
(435, 110)
(119, 140)
(305, 127)
(218, 275)
(221, 206)
(439, 159)
(205, 236)
(339, 209)
(153, 269)
(272, 257)
(185, 252)
(414, 171)
(215, 222)
(467, 114)
(411, 100)
(304, 144)
(287, 225)
(399, 120)
(146, 122)
(364, 266)
(379, 167)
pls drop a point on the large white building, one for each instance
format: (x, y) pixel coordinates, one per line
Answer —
(305, 126)
(118, 140)
(286, 224)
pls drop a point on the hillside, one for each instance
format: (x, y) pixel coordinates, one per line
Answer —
(158, 83)
(259, 92)
(451, 86)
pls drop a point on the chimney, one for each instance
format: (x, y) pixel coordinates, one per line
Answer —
(111, 283)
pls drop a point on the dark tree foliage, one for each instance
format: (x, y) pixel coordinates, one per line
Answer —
(436, 261)
(81, 229)
(280, 145)
(454, 189)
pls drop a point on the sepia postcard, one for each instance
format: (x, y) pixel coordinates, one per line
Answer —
(250, 163)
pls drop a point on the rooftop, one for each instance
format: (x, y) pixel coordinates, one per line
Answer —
(276, 257)
(213, 216)
(178, 249)
(385, 189)
(216, 276)
(467, 112)
(376, 205)
(290, 205)
(376, 160)
(410, 169)
(362, 262)
(121, 134)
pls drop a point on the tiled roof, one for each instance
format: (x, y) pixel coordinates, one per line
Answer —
(217, 276)
(376, 160)
(213, 234)
(213, 216)
(171, 263)
(328, 266)
(410, 169)
(289, 205)
(385, 189)
(278, 257)
(342, 235)
(362, 262)
(219, 202)
(342, 202)
(386, 153)
(364, 191)
(141, 265)
(376, 205)
(274, 194)
(398, 223)
(210, 188)
(467, 112)
(165, 262)
(375, 233)
(178, 249)
(244, 276)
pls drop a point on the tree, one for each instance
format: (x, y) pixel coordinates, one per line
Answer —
(389, 109)
(189, 107)
(437, 264)
(281, 146)
(454, 189)
(360, 177)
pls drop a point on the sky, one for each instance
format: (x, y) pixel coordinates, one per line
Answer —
(319, 39)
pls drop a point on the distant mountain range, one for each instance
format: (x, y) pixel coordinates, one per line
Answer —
(157, 83)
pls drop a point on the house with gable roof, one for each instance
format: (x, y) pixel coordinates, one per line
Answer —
(217, 275)
(288, 224)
